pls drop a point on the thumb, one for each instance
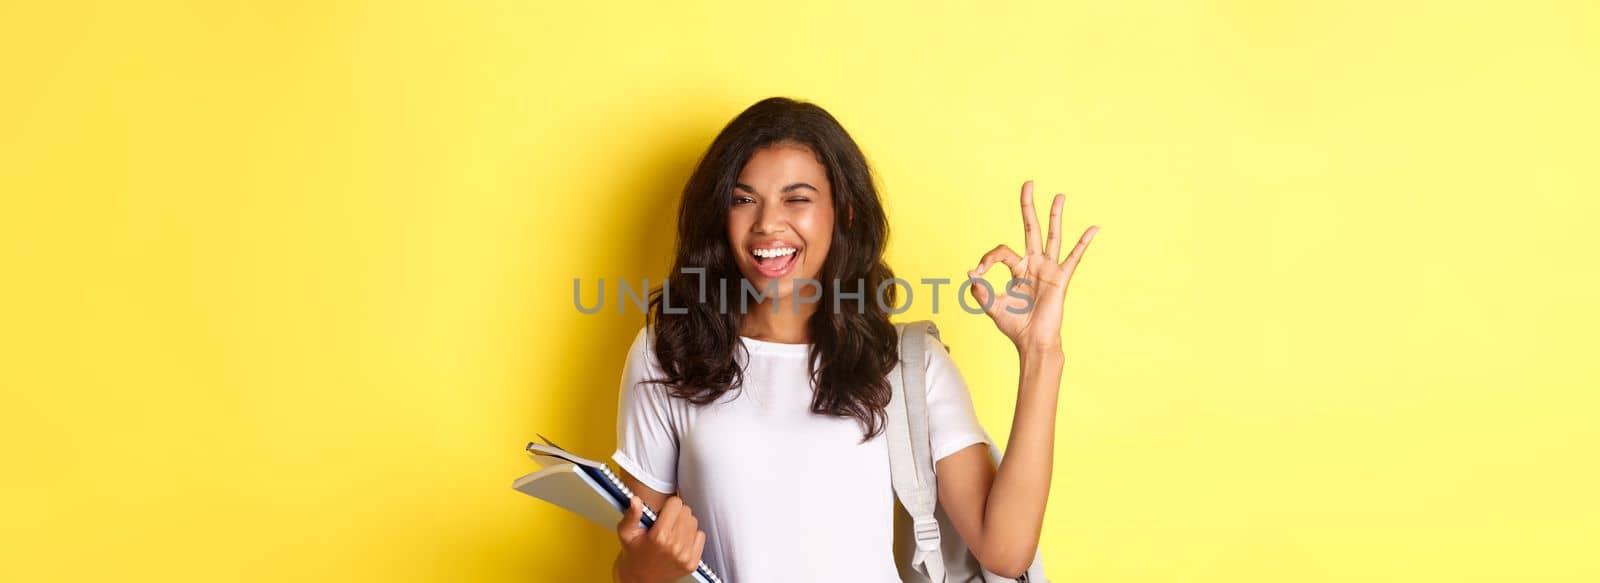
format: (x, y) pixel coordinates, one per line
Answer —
(630, 528)
(981, 293)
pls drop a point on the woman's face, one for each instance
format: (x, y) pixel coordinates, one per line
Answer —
(781, 222)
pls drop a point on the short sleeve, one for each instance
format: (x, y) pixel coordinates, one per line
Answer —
(952, 420)
(647, 437)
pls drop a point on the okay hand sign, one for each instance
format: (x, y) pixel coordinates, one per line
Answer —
(1041, 280)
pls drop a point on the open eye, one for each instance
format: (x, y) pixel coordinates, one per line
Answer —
(738, 200)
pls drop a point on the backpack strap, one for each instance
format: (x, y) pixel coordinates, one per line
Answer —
(910, 458)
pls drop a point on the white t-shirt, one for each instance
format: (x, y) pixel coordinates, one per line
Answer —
(782, 494)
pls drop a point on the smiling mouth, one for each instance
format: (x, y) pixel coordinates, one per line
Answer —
(775, 262)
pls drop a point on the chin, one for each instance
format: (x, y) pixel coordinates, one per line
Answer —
(785, 284)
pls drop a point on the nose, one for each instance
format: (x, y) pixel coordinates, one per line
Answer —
(769, 219)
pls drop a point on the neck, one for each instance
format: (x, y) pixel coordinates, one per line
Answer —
(786, 326)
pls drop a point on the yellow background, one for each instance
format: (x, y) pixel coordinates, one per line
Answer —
(285, 286)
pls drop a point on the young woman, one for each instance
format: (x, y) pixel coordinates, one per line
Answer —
(757, 433)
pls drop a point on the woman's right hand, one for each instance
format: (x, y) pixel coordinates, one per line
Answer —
(665, 552)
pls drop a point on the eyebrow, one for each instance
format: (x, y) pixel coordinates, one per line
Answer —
(786, 190)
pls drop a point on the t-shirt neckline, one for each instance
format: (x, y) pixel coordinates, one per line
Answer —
(756, 345)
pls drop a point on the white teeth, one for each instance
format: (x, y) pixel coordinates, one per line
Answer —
(778, 252)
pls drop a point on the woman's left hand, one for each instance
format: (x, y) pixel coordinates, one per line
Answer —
(1029, 310)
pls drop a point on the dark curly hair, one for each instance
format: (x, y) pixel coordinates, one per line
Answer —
(854, 346)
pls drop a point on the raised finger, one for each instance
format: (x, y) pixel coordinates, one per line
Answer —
(1002, 254)
(1052, 248)
(1030, 222)
(1077, 250)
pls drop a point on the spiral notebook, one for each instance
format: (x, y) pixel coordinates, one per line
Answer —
(589, 489)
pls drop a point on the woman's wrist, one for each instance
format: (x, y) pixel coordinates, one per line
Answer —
(1044, 353)
(1040, 369)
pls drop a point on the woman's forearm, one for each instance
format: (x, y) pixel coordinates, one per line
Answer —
(1014, 512)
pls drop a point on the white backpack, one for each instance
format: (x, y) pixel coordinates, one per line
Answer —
(927, 547)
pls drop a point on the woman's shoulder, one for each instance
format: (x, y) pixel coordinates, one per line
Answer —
(935, 352)
(940, 371)
(641, 359)
(642, 339)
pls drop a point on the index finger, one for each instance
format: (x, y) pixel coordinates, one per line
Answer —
(671, 510)
(1030, 222)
